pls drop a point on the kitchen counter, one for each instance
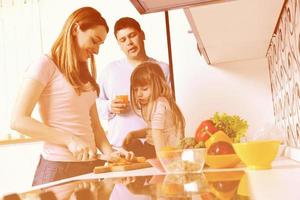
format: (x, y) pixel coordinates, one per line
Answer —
(280, 182)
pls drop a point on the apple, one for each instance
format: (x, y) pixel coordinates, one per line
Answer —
(205, 130)
(220, 148)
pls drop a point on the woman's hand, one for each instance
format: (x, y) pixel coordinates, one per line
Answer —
(115, 156)
(80, 149)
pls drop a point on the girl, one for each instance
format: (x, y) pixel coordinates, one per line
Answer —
(63, 83)
(151, 98)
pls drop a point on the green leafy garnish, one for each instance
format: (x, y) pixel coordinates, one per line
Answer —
(233, 126)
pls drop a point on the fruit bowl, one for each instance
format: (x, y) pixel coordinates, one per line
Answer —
(182, 160)
(257, 154)
(222, 161)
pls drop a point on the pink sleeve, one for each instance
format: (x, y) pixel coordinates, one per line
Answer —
(159, 115)
(41, 70)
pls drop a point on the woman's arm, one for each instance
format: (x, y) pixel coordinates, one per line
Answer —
(101, 140)
(22, 121)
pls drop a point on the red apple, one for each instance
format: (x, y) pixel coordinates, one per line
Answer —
(220, 148)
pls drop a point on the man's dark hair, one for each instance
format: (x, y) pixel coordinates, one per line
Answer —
(126, 22)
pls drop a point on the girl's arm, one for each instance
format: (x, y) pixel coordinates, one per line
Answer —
(101, 140)
(135, 134)
(22, 122)
(139, 133)
(158, 119)
(158, 139)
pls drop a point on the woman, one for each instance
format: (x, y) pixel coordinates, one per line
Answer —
(63, 83)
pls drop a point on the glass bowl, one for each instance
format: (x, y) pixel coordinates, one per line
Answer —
(182, 160)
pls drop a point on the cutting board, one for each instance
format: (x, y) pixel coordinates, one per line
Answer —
(117, 168)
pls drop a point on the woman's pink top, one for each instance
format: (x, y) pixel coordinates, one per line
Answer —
(61, 107)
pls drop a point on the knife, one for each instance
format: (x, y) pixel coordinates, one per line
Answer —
(138, 159)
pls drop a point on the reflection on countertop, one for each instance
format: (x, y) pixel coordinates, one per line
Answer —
(209, 186)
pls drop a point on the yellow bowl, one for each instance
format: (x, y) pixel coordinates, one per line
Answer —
(258, 154)
(222, 161)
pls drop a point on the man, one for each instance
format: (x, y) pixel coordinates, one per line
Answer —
(115, 80)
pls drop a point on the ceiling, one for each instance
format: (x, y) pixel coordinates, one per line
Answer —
(149, 6)
(234, 30)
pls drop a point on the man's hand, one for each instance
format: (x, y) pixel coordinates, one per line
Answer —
(118, 106)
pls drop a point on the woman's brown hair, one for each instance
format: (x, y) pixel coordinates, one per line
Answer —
(64, 52)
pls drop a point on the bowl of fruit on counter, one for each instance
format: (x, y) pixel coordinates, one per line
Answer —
(182, 160)
(217, 135)
(187, 157)
(220, 153)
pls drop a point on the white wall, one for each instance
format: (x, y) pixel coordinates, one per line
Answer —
(241, 88)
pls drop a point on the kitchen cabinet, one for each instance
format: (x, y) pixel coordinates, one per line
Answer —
(234, 30)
